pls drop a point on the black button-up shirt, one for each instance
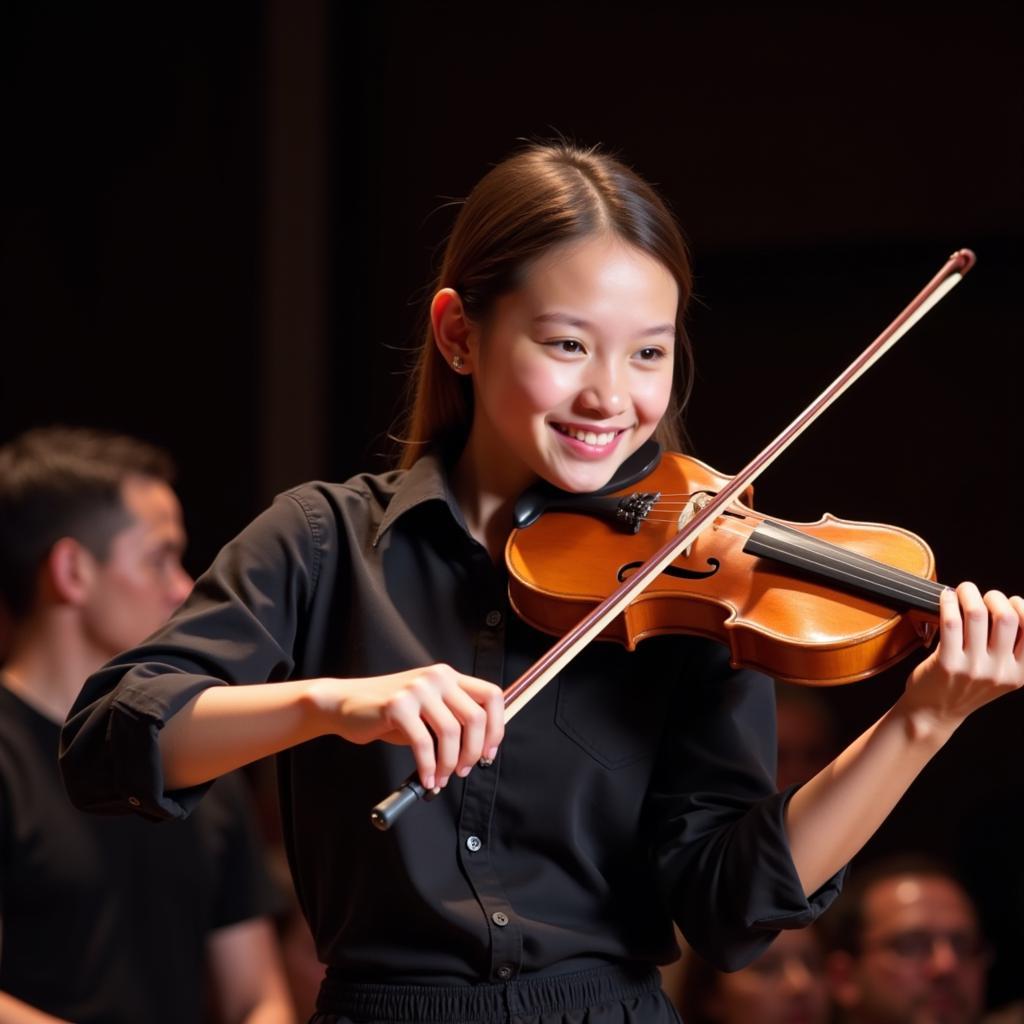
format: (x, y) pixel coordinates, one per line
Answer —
(637, 787)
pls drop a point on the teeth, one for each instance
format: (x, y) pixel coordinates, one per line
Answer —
(589, 437)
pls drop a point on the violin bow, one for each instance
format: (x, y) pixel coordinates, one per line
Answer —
(519, 693)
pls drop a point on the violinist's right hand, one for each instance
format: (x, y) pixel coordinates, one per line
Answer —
(449, 720)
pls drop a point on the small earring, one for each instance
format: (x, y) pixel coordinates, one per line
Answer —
(457, 363)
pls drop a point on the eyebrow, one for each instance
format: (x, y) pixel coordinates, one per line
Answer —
(574, 321)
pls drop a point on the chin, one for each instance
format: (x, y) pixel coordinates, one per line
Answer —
(582, 482)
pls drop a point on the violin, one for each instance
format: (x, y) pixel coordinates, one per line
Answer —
(816, 603)
(752, 613)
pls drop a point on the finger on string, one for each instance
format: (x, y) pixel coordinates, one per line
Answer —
(951, 623)
(1003, 619)
(975, 616)
(1017, 603)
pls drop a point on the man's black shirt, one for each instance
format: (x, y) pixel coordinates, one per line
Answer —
(107, 920)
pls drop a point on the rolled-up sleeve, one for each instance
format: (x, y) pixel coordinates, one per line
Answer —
(719, 837)
(239, 625)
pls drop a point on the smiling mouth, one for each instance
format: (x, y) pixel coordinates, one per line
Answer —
(596, 439)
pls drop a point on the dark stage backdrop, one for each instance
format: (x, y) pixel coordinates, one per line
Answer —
(220, 222)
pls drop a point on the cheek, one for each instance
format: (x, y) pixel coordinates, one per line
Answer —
(138, 596)
(532, 384)
(651, 397)
(974, 982)
(892, 985)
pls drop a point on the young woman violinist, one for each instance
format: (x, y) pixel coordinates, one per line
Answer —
(540, 885)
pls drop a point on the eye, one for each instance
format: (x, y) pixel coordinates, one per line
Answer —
(163, 560)
(570, 346)
(651, 354)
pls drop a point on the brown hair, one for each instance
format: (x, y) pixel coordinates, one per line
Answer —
(544, 196)
(64, 482)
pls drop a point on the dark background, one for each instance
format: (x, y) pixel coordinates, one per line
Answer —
(220, 220)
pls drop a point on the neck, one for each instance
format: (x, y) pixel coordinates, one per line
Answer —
(49, 660)
(487, 497)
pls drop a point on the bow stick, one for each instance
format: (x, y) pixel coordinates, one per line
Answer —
(518, 694)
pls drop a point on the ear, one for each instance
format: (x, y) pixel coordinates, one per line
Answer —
(841, 971)
(68, 572)
(452, 330)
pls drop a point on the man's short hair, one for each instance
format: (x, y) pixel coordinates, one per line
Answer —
(64, 482)
(843, 924)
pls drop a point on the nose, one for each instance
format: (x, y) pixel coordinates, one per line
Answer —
(601, 395)
(180, 586)
(944, 958)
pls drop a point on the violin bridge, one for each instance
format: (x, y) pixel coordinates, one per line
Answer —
(690, 509)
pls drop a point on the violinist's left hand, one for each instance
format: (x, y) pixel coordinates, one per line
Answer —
(980, 657)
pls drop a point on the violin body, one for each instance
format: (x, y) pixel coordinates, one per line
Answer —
(782, 620)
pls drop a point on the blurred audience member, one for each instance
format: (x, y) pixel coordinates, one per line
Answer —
(109, 920)
(906, 947)
(808, 738)
(785, 985)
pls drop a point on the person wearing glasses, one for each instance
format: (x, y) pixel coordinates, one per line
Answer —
(906, 947)
(786, 984)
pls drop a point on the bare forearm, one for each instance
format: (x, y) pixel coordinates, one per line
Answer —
(835, 813)
(979, 658)
(226, 727)
(449, 720)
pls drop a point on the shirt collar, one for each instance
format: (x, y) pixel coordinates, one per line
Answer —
(426, 480)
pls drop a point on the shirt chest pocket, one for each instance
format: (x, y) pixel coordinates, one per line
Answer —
(601, 706)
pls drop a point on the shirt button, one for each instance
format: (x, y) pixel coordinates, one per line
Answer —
(473, 844)
(493, 618)
(499, 918)
(504, 972)
(134, 801)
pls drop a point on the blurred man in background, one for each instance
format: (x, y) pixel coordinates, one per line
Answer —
(906, 947)
(109, 920)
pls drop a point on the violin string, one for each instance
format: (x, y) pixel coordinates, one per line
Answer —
(857, 570)
(870, 569)
(668, 506)
(660, 503)
(838, 555)
(876, 575)
(833, 550)
(834, 553)
(855, 567)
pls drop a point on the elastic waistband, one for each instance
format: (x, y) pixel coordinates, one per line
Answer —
(472, 1004)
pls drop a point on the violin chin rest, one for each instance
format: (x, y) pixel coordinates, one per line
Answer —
(541, 497)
